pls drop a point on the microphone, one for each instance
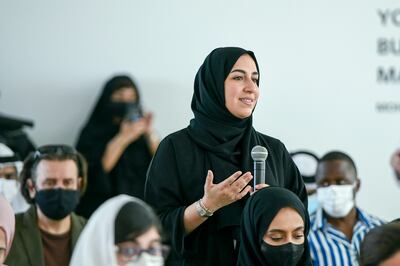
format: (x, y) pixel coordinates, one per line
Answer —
(259, 155)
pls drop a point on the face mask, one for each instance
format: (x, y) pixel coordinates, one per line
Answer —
(313, 203)
(285, 255)
(9, 188)
(147, 260)
(336, 200)
(119, 109)
(56, 204)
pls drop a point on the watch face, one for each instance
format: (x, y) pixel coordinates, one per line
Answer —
(200, 211)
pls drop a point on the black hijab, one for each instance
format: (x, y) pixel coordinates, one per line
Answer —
(100, 128)
(99, 113)
(258, 214)
(214, 128)
(226, 139)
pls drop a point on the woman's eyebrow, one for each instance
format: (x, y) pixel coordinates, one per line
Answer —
(299, 228)
(244, 72)
(276, 231)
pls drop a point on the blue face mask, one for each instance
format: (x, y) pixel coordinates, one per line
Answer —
(313, 203)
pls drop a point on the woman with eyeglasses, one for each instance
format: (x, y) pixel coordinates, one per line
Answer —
(118, 142)
(124, 231)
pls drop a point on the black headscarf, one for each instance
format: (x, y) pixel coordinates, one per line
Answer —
(214, 128)
(227, 140)
(100, 110)
(258, 214)
(100, 128)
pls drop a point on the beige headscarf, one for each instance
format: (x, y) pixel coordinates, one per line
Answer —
(7, 222)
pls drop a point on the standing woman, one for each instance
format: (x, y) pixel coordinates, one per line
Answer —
(198, 181)
(118, 143)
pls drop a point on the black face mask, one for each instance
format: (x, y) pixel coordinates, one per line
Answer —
(285, 255)
(118, 109)
(56, 204)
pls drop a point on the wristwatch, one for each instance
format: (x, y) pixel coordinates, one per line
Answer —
(202, 210)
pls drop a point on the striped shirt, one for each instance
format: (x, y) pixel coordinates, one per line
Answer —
(330, 247)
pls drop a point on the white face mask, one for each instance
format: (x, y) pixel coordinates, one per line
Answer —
(336, 200)
(146, 259)
(9, 188)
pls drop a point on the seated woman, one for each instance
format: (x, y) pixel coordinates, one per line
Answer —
(7, 228)
(381, 246)
(123, 231)
(274, 229)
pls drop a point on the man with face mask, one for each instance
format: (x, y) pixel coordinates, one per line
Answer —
(52, 179)
(338, 227)
(10, 166)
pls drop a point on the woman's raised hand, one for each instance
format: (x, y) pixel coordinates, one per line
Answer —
(226, 192)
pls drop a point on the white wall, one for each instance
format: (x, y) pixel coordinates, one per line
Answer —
(318, 63)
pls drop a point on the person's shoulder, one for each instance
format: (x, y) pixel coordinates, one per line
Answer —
(26, 218)
(272, 141)
(274, 146)
(369, 219)
(177, 135)
(317, 221)
(177, 139)
(78, 220)
(313, 219)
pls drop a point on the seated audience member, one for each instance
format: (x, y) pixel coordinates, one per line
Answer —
(274, 229)
(381, 246)
(7, 227)
(339, 226)
(122, 231)
(307, 163)
(118, 142)
(10, 166)
(52, 179)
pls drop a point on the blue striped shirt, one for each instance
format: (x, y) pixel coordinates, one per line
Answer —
(330, 247)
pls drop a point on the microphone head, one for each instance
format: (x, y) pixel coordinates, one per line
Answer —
(259, 153)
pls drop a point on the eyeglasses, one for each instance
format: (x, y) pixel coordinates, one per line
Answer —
(54, 150)
(133, 253)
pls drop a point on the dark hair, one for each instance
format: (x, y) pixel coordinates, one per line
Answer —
(51, 153)
(379, 244)
(134, 219)
(338, 155)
